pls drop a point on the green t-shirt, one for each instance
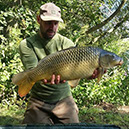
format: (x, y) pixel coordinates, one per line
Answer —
(35, 48)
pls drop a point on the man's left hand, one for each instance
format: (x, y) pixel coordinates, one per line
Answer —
(96, 73)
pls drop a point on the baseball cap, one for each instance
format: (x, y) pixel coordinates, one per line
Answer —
(50, 12)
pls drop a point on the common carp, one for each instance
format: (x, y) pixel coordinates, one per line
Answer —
(71, 64)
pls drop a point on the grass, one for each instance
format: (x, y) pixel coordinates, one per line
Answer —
(101, 116)
(13, 115)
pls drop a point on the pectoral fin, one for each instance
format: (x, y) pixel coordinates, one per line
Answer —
(101, 72)
(73, 83)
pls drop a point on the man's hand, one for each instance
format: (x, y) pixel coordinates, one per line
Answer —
(96, 73)
(54, 80)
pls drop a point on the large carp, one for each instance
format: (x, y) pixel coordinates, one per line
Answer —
(71, 64)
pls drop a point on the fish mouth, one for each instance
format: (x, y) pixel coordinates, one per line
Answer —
(120, 62)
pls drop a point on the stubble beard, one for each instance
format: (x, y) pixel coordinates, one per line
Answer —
(45, 35)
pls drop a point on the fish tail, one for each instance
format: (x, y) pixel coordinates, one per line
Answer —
(24, 82)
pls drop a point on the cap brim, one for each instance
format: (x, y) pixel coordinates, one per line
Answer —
(50, 18)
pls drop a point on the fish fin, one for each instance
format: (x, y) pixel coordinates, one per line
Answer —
(24, 82)
(73, 83)
(101, 72)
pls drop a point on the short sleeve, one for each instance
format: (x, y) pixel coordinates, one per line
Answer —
(27, 54)
(67, 43)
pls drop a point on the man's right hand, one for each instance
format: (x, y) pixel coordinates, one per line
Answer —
(54, 80)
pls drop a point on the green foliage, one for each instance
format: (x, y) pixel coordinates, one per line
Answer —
(78, 17)
(12, 115)
(16, 24)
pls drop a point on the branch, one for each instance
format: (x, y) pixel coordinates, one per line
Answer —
(107, 20)
(113, 29)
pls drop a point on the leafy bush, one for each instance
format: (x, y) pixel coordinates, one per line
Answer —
(14, 28)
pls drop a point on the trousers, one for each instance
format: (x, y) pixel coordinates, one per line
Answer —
(39, 112)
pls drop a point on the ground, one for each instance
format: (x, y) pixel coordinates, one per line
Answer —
(98, 114)
(106, 113)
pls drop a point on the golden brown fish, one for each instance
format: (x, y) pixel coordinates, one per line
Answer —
(71, 64)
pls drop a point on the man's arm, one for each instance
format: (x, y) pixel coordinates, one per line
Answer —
(27, 55)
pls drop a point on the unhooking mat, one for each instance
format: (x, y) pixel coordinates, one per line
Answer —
(61, 126)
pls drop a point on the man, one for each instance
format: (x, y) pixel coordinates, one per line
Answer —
(50, 102)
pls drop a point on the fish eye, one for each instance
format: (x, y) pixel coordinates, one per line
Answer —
(113, 57)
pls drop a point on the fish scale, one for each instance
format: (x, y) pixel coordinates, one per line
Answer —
(65, 62)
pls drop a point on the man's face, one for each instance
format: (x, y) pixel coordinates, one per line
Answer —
(48, 28)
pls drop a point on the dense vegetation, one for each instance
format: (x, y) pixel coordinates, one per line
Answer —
(84, 24)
